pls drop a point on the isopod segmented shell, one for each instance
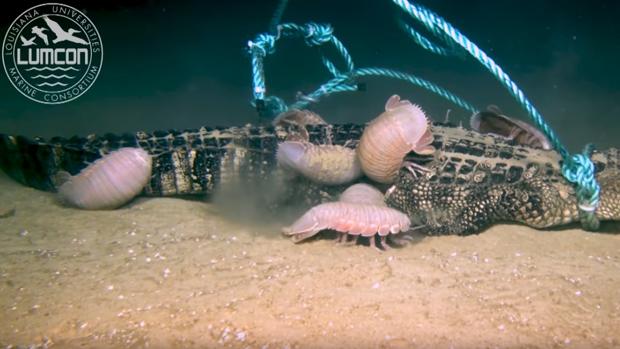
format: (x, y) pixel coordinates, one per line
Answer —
(402, 128)
(110, 181)
(362, 193)
(325, 164)
(345, 217)
(360, 211)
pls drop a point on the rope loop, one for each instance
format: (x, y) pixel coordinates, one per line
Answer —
(317, 34)
(263, 45)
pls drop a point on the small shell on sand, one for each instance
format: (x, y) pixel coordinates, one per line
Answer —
(325, 164)
(110, 181)
(402, 128)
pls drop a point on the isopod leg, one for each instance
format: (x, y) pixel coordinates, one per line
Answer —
(353, 241)
(373, 243)
(383, 242)
(415, 168)
(342, 238)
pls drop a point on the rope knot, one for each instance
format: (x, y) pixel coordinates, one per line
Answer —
(579, 170)
(317, 34)
(263, 44)
(270, 107)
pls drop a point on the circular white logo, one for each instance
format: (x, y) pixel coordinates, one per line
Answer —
(52, 53)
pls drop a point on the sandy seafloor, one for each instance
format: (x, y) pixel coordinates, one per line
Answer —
(170, 272)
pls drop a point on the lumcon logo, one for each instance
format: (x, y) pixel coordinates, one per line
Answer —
(52, 53)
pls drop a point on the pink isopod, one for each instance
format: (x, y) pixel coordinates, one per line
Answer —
(365, 218)
(402, 128)
(324, 164)
(109, 182)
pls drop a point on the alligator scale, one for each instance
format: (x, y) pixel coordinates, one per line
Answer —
(474, 180)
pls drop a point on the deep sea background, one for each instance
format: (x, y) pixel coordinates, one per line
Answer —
(182, 64)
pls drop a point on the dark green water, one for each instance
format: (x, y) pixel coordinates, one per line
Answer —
(181, 64)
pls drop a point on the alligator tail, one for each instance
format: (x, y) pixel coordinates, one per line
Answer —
(35, 163)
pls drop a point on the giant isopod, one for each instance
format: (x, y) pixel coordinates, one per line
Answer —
(324, 164)
(365, 218)
(402, 128)
(298, 117)
(110, 181)
(492, 121)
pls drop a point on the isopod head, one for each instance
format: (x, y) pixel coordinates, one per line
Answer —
(307, 225)
(290, 154)
(412, 124)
